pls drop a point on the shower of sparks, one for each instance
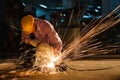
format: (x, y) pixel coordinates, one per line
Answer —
(44, 58)
(80, 44)
(84, 44)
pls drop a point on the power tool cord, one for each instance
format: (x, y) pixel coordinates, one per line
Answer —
(94, 69)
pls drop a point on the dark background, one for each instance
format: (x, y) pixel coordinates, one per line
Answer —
(55, 11)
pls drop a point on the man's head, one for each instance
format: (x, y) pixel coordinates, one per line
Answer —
(27, 24)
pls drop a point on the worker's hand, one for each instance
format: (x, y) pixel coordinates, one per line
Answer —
(34, 42)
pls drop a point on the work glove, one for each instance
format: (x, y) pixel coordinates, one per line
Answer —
(34, 42)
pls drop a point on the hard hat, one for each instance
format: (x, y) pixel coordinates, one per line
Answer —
(27, 24)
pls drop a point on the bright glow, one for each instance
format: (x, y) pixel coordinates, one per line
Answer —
(64, 14)
(86, 16)
(98, 7)
(43, 6)
(51, 65)
(23, 4)
(96, 10)
(62, 20)
(52, 62)
(45, 58)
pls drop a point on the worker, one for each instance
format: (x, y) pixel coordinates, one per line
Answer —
(42, 30)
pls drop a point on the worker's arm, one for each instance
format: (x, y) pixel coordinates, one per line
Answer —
(54, 39)
(27, 40)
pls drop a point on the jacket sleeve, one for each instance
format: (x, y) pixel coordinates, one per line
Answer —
(54, 38)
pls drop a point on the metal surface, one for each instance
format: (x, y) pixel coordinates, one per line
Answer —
(109, 74)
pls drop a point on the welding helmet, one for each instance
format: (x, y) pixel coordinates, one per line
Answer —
(27, 24)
